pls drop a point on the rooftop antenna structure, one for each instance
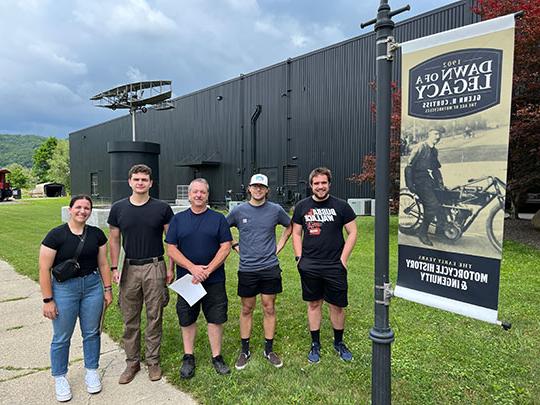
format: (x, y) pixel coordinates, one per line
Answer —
(136, 96)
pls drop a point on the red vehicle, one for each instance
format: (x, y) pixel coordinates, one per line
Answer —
(5, 187)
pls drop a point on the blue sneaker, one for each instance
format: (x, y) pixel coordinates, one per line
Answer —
(314, 354)
(343, 351)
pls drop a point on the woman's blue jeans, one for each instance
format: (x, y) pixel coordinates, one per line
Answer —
(80, 297)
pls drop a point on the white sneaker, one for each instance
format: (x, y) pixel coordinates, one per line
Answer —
(93, 383)
(63, 390)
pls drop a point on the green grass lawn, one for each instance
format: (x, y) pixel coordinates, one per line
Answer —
(437, 357)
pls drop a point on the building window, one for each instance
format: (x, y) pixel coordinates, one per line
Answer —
(94, 185)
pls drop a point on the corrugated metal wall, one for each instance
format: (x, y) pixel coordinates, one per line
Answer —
(315, 111)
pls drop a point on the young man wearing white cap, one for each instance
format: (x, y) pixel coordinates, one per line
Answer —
(259, 271)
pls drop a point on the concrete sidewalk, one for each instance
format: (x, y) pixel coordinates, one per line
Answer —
(25, 337)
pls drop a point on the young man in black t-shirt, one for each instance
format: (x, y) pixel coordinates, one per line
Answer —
(322, 254)
(141, 221)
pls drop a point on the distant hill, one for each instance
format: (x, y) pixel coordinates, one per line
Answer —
(18, 148)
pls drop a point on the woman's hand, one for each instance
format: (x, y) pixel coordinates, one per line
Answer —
(108, 298)
(49, 310)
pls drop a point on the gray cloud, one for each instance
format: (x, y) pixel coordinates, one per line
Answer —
(56, 54)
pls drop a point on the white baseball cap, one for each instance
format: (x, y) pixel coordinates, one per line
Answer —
(259, 179)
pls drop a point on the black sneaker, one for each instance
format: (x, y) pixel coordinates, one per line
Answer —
(220, 366)
(242, 360)
(314, 354)
(188, 366)
(343, 351)
(273, 359)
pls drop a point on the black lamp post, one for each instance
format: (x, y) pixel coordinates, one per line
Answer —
(381, 334)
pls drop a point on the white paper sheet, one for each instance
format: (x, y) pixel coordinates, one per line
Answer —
(189, 291)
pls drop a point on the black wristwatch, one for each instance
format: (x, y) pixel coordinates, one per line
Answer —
(297, 258)
(47, 300)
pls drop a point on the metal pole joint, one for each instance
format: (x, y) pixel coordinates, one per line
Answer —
(391, 46)
(382, 336)
(388, 293)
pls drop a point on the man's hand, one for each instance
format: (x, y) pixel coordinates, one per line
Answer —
(115, 276)
(170, 276)
(199, 273)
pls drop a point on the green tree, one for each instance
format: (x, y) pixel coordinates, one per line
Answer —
(41, 159)
(524, 147)
(18, 149)
(59, 165)
(20, 177)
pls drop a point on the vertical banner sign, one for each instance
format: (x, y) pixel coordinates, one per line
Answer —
(456, 97)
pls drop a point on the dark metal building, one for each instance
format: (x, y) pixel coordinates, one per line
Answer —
(282, 120)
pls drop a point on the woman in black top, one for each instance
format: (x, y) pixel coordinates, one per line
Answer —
(82, 297)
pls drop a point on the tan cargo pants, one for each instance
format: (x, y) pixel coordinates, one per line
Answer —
(143, 284)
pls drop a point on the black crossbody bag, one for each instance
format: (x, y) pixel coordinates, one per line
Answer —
(69, 268)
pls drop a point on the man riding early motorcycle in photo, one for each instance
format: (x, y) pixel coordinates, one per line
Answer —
(423, 177)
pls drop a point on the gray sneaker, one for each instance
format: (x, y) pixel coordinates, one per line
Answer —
(242, 360)
(273, 359)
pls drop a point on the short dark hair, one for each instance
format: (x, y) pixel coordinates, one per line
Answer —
(320, 171)
(78, 197)
(140, 168)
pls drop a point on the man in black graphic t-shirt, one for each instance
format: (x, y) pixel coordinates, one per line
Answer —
(322, 254)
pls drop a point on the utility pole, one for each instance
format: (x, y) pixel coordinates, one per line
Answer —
(381, 334)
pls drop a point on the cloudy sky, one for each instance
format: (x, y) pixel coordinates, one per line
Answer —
(56, 54)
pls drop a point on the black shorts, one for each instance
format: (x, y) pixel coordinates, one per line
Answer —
(214, 305)
(252, 283)
(326, 281)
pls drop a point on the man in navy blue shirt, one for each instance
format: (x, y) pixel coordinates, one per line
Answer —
(199, 241)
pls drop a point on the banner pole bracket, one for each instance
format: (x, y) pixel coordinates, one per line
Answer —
(504, 324)
(388, 293)
(391, 46)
